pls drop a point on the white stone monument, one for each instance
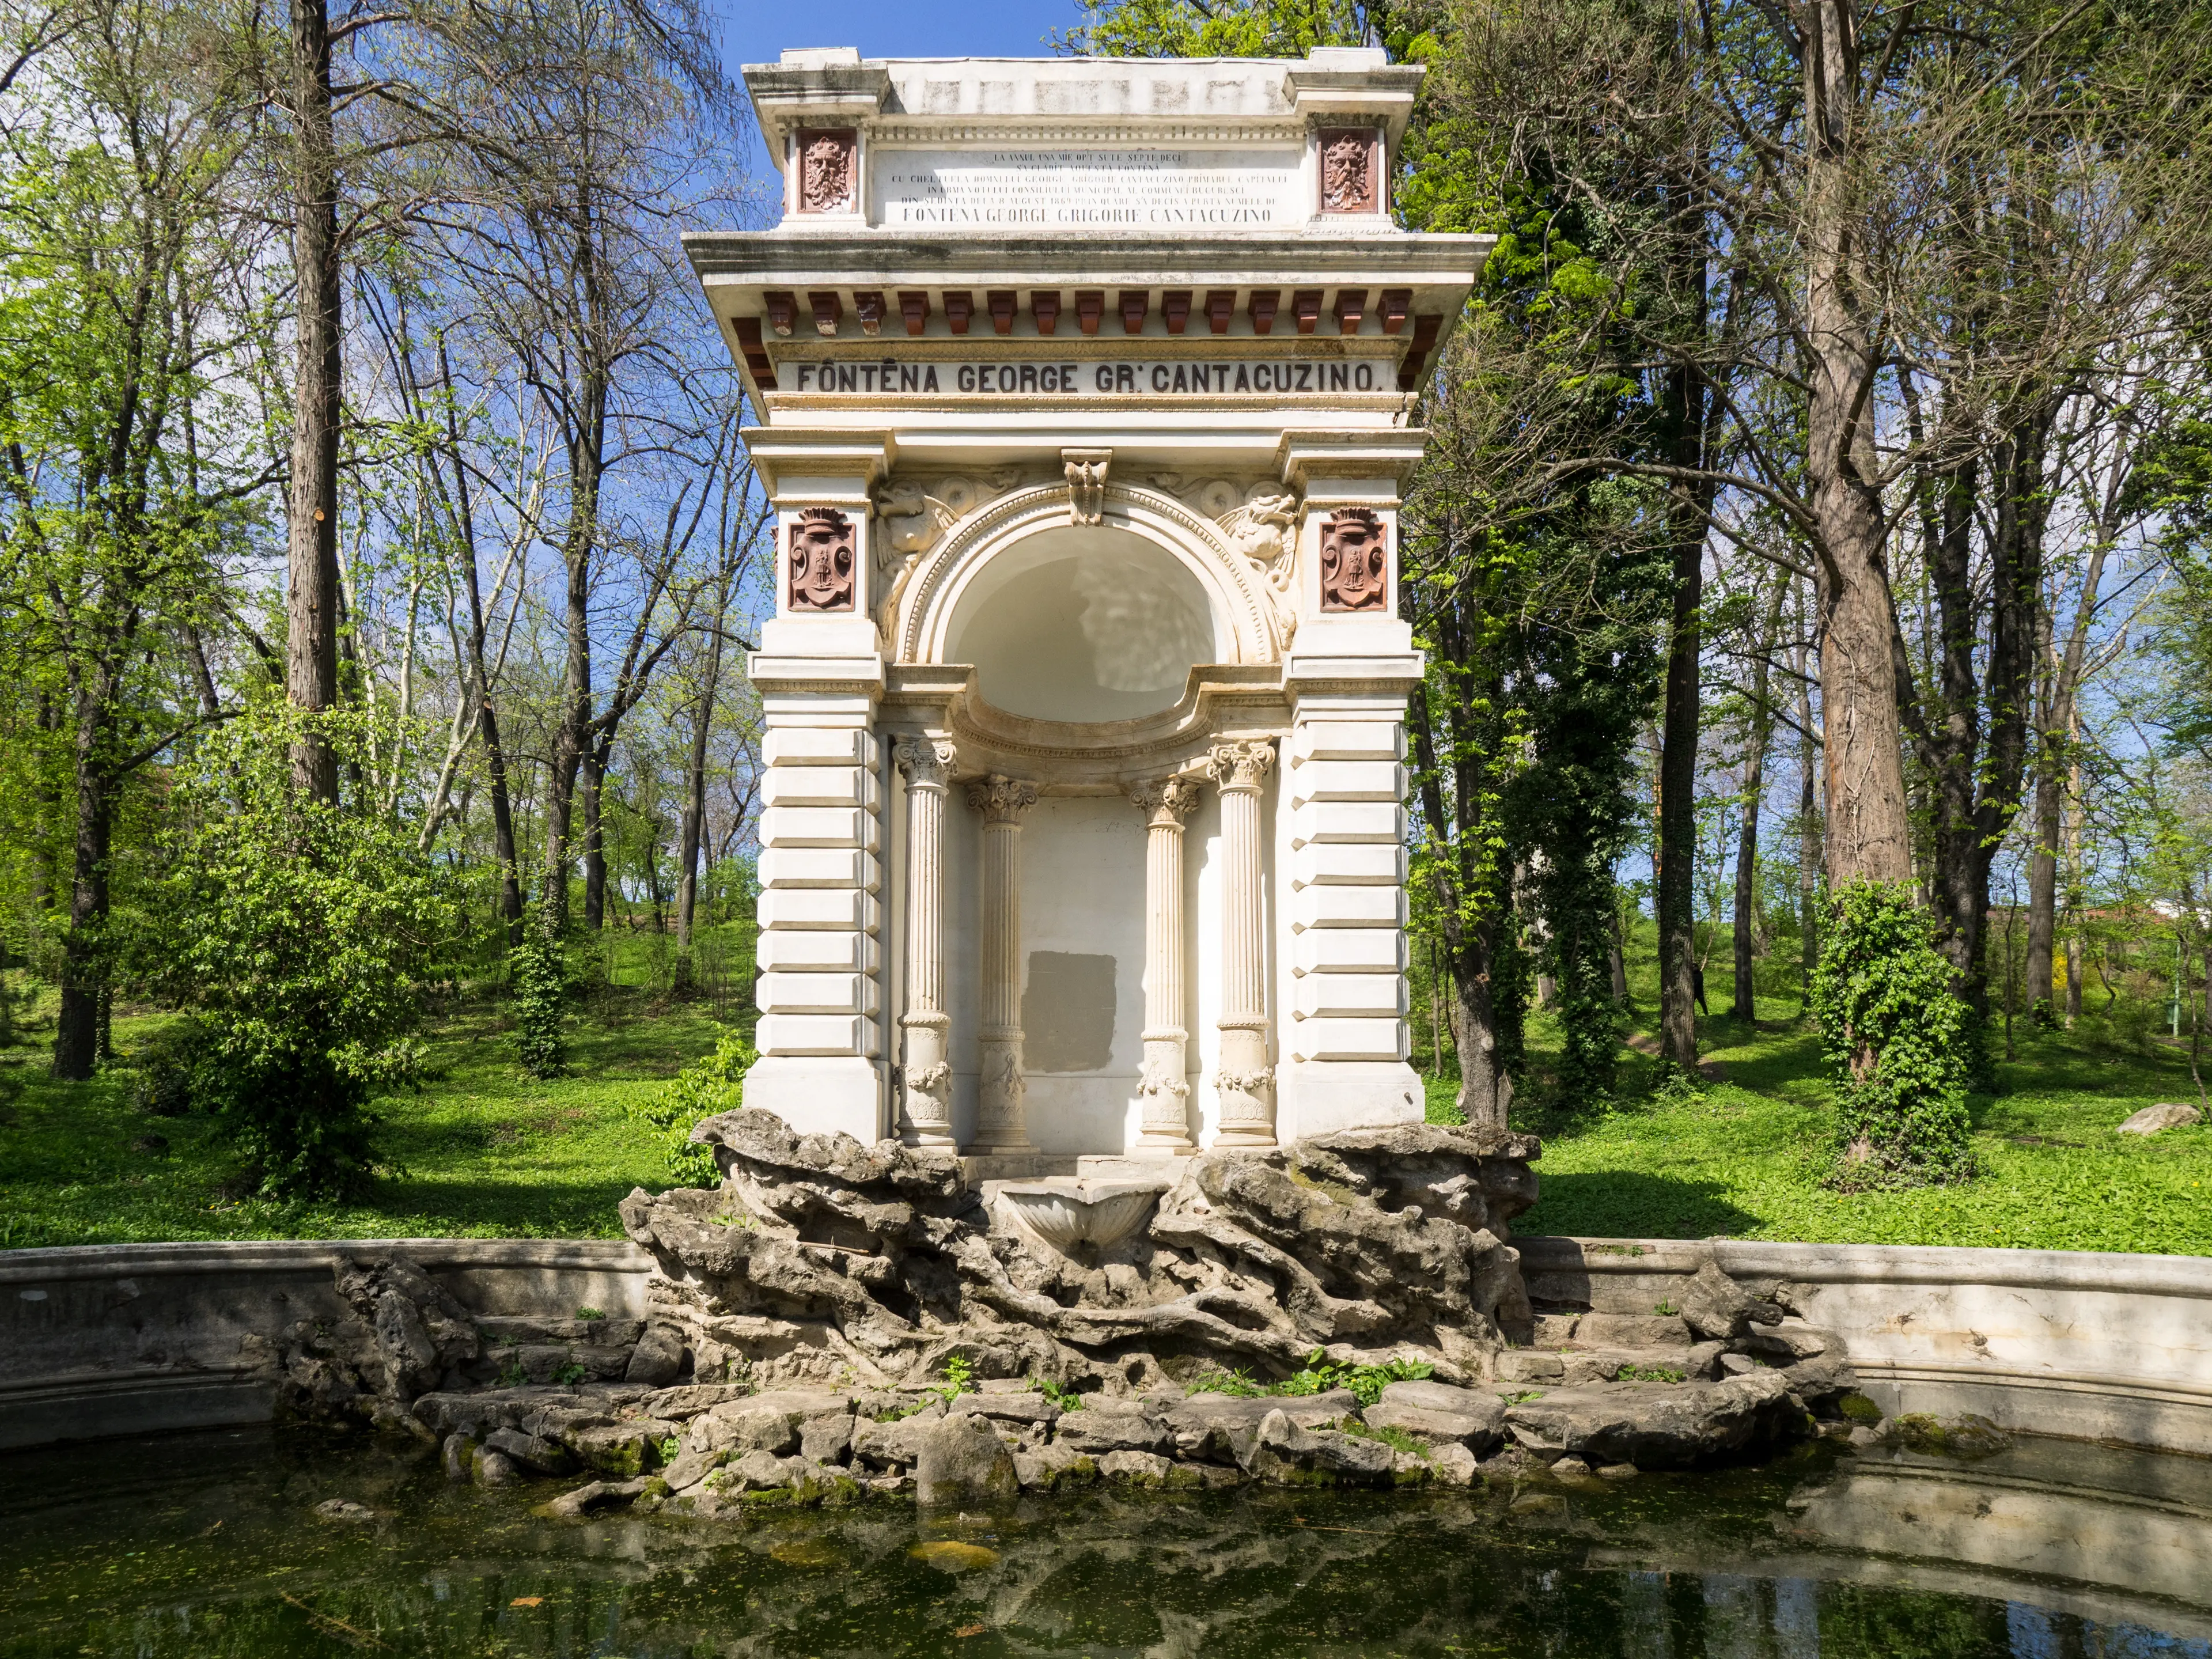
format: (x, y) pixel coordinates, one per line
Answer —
(1085, 388)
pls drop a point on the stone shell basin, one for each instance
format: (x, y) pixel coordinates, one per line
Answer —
(1066, 1211)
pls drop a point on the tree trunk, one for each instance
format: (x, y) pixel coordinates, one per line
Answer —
(76, 1026)
(1760, 727)
(595, 847)
(1676, 854)
(1870, 831)
(1808, 825)
(695, 795)
(2043, 889)
(502, 806)
(311, 661)
(1486, 1088)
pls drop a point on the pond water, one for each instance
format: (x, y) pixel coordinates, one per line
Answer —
(209, 1545)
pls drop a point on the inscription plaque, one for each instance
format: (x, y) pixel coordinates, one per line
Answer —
(1033, 378)
(1076, 189)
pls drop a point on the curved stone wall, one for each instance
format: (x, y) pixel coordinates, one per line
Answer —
(99, 1341)
(103, 1339)
(2090, 1346)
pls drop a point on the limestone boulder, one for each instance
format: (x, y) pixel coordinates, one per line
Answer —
(2167, 1114)
(1440, 1414)
(1099, 1429)
(1286, 1454)
(1660, 1425)
(421, 1332)
(538, 1456)
(595, 1496)
(658, 1357)
(1717, 1309)
(962, 1462)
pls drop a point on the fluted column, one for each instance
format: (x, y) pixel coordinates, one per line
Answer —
(1165, 1126)
(926, 1096)
(1245, 1081)
(1000, 1125)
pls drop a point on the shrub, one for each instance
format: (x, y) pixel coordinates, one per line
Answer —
(538, 983)
(715, 1084)
(296, 931)
(1897, 1038)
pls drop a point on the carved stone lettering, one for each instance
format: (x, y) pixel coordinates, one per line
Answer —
(825, 171)
(821, 562)
(1355, 561)
(1348, 170)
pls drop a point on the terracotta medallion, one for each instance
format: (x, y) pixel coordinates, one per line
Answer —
(821, 562)
(1355, 561)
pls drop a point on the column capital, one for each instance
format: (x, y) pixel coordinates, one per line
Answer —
(1240, 765)
(925, 761)
(1165, 802)
(1001, 799)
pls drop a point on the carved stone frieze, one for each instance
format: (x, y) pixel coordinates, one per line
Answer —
(820, 560)
(826, 158)
(1351, 172)
(1355, 560)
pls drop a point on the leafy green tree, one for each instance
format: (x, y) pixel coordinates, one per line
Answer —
(1896, 1035)
(298, 934)
(715, 1084)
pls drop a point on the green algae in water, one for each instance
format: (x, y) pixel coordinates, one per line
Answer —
(210, 1545)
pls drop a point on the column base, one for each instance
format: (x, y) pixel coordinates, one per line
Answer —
(1319, 1096)
(830, 1095)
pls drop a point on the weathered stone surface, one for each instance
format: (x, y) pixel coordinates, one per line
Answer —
(1526, 1365)
(1438, 1412)
(1717, 1308)
(596, 1495)
(1098, 1430)
(1820, 1383)
(658, 1357)
(1609, 1330)
(891, 1445)
(692, 1465)
(1135, 1467)
(541, 1456)
(826, 1438)
(682, 1403)
(1007, 1407)
(1658, 1426)
(1284, 1453)
(456, 1453)
(419, 1332)
(1050, 1466)
(2167, 1114)
(1454, 1463)
(496, 1468)
(1790, 1340)
(821, 1257)
(962, 1461)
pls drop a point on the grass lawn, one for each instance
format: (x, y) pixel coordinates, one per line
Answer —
(482, 1152)
(1744, 1157)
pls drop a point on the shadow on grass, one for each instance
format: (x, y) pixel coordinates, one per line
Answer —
(1628, 1204)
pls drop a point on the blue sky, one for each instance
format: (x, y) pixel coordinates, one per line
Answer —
(894, 28)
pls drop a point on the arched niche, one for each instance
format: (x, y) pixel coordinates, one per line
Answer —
(1083, 623)
(1174, 566)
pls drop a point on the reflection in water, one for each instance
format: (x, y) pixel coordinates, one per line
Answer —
(206, 1545)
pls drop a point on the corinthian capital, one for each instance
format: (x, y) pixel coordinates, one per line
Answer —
(1241, 765)
(1001, 799)
(925, 761)
(1165, 801)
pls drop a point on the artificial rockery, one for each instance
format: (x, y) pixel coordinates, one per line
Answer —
(837, 1319)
